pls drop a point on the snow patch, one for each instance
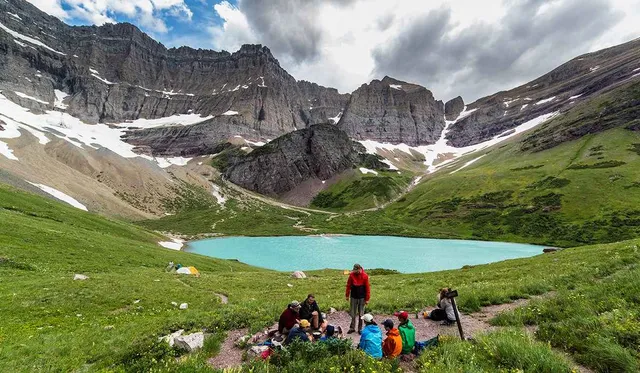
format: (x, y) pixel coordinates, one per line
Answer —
(230, 112)
(61, 196)
(14, 15)
(574, 97)
(30, 97)
(368, 171)
(467, 164)
(176, 161)
(507, 103)
(262, 83)
(396, 86)
(178, 119)
(524, 107)
(335, 119)
(28, 39)
(4, 150)
(545, 100)
(102, 79)
(595, 68)
(217, 193)
(432, 152)
(634, 70)
(174, 244)
(391, 165)
(60, 96)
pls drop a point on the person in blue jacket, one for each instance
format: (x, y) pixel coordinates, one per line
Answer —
(371, 337)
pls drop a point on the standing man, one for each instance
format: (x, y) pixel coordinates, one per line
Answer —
(358, 293)
(407, 332)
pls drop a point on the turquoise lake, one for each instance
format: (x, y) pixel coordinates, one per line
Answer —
(407, 255)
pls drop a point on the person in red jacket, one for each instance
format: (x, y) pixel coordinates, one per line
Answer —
(358, 293)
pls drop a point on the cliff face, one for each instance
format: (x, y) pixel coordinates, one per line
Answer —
(318, 152)
(582, 78)
(453, 108)
(393, 111)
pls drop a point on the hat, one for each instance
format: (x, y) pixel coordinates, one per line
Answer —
(357, 266)
(402, 314)
(304, 323)
(330, 330)
(367, 317)
(294, 304)
(388, 323)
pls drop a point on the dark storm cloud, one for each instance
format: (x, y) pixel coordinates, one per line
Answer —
(289, 27)
(473, 62)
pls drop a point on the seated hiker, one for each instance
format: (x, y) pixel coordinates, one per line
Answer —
(329, 334)
(301, 332)
(445, 311)
(310, 311)
(407, 332)
(392, 345)
(371, 337)
(289, 317)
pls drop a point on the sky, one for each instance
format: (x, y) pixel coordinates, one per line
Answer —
(461, 47)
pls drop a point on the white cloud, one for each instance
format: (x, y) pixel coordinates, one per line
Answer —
(234, 30)
(351, 31)
(149, 13)
(52, 7)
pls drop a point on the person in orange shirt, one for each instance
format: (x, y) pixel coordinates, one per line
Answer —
(392, 345)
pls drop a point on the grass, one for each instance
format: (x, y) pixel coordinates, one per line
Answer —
(599, 322)
(362, 191)
(53, 323)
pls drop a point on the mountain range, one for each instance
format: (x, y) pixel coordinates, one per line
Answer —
(127, 127)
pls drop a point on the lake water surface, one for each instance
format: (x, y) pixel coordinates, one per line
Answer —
(408, 255)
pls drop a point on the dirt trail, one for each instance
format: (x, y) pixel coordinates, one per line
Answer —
(472, 324)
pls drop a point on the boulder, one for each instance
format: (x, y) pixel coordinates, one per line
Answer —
(298, 274)
(80, 277)
(550, 249)
(190, 342)
(170, 338)
(184, 306)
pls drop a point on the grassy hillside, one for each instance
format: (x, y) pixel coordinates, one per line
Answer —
(111, 321)
(361, 192)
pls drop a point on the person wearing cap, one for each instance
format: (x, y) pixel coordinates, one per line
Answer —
(392, 345)
(371, 338)
(329, 334)
(407, 332)
(358, 293)
(310, 311)
(300, 332)
(289, 317)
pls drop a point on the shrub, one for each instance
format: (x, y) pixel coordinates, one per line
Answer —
(605, 164)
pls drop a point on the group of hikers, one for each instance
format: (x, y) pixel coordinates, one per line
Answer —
(305, 322)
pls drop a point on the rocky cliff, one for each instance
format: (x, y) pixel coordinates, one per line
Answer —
(582, 78)
(317, 152)
(453, 108)
(393, 111)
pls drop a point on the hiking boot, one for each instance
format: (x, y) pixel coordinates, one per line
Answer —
(351, 331)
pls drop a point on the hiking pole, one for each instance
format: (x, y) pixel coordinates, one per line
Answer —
(452, 295)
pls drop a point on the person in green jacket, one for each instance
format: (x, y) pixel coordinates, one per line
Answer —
(407, 332)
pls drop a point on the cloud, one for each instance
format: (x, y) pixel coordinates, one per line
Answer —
(531, 38)
(51, 7)
(234, 29)
(150, 14)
